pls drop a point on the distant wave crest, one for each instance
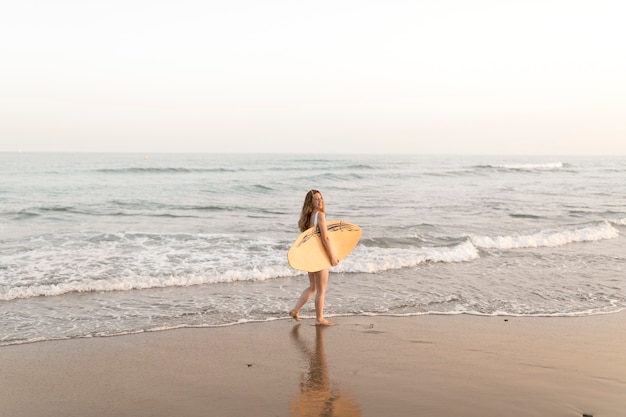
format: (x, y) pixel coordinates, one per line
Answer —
(526, 167)
(161, 170)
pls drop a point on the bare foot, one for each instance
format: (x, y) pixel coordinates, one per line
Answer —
(295, 315)
(324, 322)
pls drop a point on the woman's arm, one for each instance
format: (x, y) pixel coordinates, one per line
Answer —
(321, 222)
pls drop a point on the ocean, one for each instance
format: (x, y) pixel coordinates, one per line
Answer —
(108, 244)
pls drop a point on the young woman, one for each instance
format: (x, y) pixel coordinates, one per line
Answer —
(313, 215)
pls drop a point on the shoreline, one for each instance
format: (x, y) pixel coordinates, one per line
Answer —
(312, 317)
(436, 365)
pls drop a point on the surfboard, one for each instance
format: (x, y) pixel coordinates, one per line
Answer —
(308, 253)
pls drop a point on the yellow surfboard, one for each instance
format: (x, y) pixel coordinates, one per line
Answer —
(308, 253)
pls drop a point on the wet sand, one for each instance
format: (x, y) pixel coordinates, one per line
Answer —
(364, 366)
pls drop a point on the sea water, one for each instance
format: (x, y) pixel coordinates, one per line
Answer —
(107, 244)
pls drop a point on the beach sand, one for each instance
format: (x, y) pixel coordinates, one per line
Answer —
(365, 366)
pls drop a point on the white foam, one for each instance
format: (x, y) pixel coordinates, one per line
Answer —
(70, 263)
(531, 167)
(547, 238)
(374, 260)
(86, 263)
(140, 282)
(92, 262)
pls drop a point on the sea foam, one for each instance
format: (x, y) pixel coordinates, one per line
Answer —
(374, 260)
(547, 238)
(546, 166)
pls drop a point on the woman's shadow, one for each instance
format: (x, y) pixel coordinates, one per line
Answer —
(318, 396)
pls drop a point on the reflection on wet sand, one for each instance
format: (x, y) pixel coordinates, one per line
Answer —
(318, 396)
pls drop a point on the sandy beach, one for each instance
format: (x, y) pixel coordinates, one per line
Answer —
(364, 366)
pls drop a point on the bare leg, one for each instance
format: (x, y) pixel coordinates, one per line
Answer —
(304, 297)
(321, 281)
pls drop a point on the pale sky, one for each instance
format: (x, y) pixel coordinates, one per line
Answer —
(441, 76)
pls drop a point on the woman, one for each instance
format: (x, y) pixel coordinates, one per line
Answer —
(313, 215)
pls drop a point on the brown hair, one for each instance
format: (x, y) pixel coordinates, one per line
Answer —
(307, 209)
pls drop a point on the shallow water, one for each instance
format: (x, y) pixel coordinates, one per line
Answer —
(101, 244)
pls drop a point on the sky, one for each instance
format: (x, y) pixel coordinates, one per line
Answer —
(441, 76)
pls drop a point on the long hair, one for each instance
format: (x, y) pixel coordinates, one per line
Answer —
(307, 209)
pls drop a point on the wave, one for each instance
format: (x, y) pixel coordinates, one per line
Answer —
(364, 260)
(488, 169)
(524, 216)
(131, 209)
(547, 238)
(135, 282)
(164, 170)
(365, 167)
(547, 166)
(375, 260)
(129, 280)
(254, 189)
(56, 264)
(31, 212)
(185, 170)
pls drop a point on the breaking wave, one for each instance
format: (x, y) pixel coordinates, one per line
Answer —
(547, 238)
